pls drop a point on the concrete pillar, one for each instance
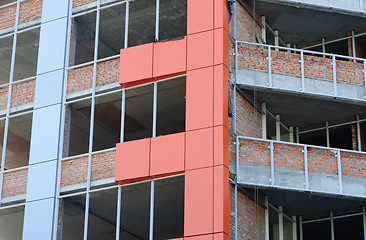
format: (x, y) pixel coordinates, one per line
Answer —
(294, 228)
(264, 37)
(42, 173)
(277, 39)
(291, 134)
(300, 228)
(278, 128)
(266, 213)
(327, 133)
(280, 223)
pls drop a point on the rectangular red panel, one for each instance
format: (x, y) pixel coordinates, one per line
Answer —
(221, 95)
(221, 146)
(200, 47)
(170, 57)
(199, 99)
(136, 65)
(221, 14)
(199, 148)
(200, 16)
(201, 237)
(167, 154)
(221, 199)
(221, 46)
(132, 160)
(198, 208)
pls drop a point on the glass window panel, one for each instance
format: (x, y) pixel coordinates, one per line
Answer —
(139, 113)
(6, 46)
(172, 19)
(11, 222)
(83, 39)
(135, 212)
(141, 27)
(18, 142)
(73, 215)
(171, 110)
(111, 31)
(26, 56)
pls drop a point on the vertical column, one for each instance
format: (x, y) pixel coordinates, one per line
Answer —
(266, 212)
(280, 223)
(264, 121)
(278, 128)
(44, 152)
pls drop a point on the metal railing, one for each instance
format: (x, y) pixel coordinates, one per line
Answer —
(304, 149)
(301, 53)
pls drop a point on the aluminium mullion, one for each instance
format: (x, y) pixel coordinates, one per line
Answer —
(118, 220)
(236, 211)
(152, 196)
(123, 110)
(364, 222)
(127, 16)
(6, 127)
(157, 14)
(62, 125)
(155, 105)
(91, 127)
(358, 133)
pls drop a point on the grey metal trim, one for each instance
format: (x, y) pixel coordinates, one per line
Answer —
(339, 165)
(306, 167)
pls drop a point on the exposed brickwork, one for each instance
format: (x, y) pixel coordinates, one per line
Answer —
(4, 97)
(353, 164)
(7, 16)
(80, 79)
(288, 63)
(23, 93)
(74, 170)
(15, 183)
(288, 156)
(78, 3)
(30, 10)
(322, 161)
(103, 165)
(354, 135)
(245, 25)
(251, 218)
(107, 72)
(254, 152)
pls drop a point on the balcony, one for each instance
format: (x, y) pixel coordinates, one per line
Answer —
(300, 167)
(300, 71)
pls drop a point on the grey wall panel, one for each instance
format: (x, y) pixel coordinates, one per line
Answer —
(41, 180)
(54, 9)
(45, 134)
(52, 45)
(38, 220)
(49, 89)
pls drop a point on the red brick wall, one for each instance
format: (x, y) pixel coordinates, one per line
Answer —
(254, 152)
(288, 156)
(23, 93)
(15, 183)
(322, 161)
(82, 78)
(353, 164)
(78, 3)
(3, 97)
(7, 16)
(74, 170)
(30, 10)
(245, 25)
(314, 66)
(251, 218)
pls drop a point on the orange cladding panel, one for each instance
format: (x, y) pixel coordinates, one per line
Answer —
(199, 100)
(201, 237)
(221, 47)
(221, 14)
(221, 199)
(221, 236)
(221, 146)
(198, 208)
(200, 50)
(170, 57)
(199, 148)
(136, 65)
(132, 160)
(221, 98)
(167, 154)
(200, 16)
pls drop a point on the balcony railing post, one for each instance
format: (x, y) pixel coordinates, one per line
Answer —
(269, 68)
(340, 184)
(272, 165)
(334, 75)
(306, 167)
(302, 72)
(237, 157)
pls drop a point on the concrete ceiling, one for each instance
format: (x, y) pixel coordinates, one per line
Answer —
(306, 26)
(308, 111)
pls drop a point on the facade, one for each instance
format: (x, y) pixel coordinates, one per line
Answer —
(182, 119)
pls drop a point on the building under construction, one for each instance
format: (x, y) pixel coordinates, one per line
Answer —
(182, 119)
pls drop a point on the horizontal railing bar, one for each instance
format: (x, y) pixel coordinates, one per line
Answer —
(337, 217)
(335, 40)
(332, 126)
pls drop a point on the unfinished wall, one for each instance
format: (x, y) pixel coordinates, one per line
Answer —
(245, 24)
(23, 93)
(288, 63)
(78, 3)
(15, 183)
(75, 170)
(251, 218)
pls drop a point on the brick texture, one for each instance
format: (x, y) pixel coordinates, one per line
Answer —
(254, 152)
(107, 72)
(353, 164)
(103, 165)
(30, 10)
(15, 183)
(78, 3)
(322, 161)
(3, 97)
(23, 93)
(7, 16)
(288, 156)
(251, 217)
